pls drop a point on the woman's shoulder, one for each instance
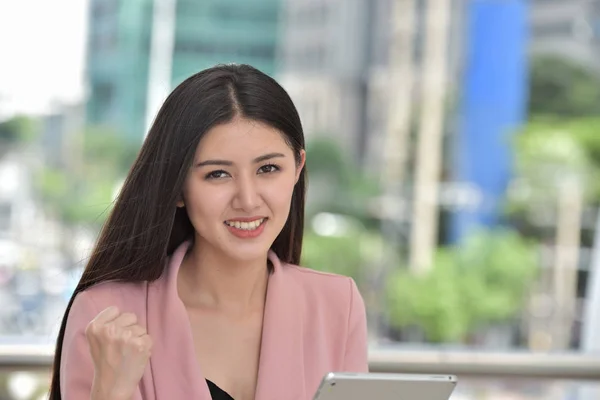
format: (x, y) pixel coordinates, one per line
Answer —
(325, 286)
(326, 299)
(127, 296)
(309, 275)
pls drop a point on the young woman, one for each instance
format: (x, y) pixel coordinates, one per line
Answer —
(193, 289)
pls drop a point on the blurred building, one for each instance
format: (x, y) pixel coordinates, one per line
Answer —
(62, 134)
(567, 28)
(205, 33)
(380, 91)
(324, 64)
(571, 29)
(18, 212)
(334, 61)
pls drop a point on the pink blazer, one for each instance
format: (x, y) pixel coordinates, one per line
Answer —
(314, 323)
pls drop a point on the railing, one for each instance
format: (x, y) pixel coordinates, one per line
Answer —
(463, 363)
(519, 365)
(22, 357)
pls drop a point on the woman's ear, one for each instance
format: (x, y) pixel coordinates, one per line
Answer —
(180, 203)
(300, 164)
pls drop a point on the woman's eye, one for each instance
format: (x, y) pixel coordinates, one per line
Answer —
(216, 175)
(265, 169)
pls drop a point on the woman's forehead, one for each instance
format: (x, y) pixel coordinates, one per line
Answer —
(241, 136)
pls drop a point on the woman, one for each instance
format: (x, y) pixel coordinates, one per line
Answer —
(192, 291)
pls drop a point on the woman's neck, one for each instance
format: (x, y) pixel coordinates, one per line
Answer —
(214, 282)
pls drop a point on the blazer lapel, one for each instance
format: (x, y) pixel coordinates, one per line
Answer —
(175, 370)
(173, 364)
(281, 364)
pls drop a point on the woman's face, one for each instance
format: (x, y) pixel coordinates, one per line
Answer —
(238, 192)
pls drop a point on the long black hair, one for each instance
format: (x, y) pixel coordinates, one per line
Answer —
(145, 225)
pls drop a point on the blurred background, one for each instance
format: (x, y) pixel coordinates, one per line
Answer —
(453, 152)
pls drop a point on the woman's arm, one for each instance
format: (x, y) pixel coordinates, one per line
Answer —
(77, 372)
(76, 368)
(356, 355)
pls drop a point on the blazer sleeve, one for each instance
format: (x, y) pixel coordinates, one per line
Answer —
(356, 354)
(76, 367)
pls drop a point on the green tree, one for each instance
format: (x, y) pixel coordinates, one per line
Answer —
(83, 195)
(103, 147)
(546, 153)
(560, 87)
(481, 282)
(352, 253)
(336, 184)
(17, 131)
(338, 198)
(586, 132)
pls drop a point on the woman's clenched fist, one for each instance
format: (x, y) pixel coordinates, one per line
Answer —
(120, 350)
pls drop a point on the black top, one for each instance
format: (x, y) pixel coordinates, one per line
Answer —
(217, 393)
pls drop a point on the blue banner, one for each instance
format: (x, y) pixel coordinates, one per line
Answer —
(493, 105)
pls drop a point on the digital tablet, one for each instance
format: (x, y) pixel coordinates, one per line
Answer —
(365, 386)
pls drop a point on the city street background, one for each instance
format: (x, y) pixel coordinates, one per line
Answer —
(453, 150)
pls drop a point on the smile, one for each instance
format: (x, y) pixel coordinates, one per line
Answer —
(245, 225)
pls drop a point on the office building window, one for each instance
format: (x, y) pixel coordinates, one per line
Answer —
(266, 51)
(104, 41)
(104, 8)
(233, 12)
(267, 13)
(105, 96)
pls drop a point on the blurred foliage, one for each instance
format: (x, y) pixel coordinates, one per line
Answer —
(483, 281)
(340, 189)
(336, 184)
(75, 200)
(82, 192)
(561, 142)
(586, 131)
(565, 96)
(562, 88)
(547, 152)
(17, 131)
(352, 254)
(103, 146)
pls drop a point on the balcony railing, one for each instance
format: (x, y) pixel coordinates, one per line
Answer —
(465, 363)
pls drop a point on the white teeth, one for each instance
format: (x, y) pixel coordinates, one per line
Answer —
(247, 226)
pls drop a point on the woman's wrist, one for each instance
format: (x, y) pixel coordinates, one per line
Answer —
(104, 391)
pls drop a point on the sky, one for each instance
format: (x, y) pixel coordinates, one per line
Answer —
(42, 54)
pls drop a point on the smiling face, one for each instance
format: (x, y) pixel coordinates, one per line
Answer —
(239, 189)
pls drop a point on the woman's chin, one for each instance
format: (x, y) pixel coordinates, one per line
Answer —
(248, 252)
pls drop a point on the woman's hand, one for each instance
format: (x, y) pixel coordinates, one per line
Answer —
(120, 351)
